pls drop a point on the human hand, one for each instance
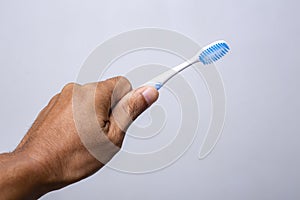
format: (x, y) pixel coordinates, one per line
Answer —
(61, 141)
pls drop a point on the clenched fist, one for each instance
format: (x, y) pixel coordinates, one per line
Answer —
(80, 130)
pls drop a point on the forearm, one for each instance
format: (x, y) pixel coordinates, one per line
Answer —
(20, 178)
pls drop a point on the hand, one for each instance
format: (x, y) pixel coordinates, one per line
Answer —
(63, 143)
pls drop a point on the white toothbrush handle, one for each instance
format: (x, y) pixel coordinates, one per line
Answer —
(161, 79)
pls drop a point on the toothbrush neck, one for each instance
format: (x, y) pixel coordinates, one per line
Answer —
(185, 65)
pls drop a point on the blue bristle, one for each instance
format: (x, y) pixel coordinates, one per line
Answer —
(213, 53)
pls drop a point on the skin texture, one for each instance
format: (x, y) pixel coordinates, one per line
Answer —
(61, 147)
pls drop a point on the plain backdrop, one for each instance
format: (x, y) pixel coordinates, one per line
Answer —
(44, 43)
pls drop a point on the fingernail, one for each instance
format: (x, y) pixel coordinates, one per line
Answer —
(150, 95)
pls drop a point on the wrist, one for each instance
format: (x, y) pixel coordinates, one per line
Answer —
(21, 177)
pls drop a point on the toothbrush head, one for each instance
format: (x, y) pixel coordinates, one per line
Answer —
(213, 52)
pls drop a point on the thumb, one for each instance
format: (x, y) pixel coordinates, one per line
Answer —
(131, 106)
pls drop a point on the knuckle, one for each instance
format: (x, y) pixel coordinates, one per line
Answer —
(89, 85)
(126, 110)
(125, 82)
(69, 86)
(69, 90)
(133, 107)
(121, 81)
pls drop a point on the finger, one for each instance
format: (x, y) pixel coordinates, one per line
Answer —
(131, 106)
(108, 94)
(117, 88)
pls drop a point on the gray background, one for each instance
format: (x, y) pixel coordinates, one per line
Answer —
(44, 43)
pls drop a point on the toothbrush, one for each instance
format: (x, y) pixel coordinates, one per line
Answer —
(206, 55)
